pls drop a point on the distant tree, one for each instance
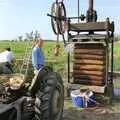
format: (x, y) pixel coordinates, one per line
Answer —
(37, 35)
(33, 35)
(25, 39)
(20, 38)
(12, 40)
(29, 36)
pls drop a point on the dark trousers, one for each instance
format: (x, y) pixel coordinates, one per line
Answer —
(5, 68)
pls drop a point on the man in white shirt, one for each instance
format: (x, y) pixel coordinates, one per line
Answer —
(6, 59)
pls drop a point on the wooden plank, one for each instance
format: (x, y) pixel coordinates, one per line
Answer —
(96, 89)
(96, 63)
(89, 68)
(86, 72)
(90, 45)
(89, 51)
(93, 77)
(89, 82)
(87, 56)
(90, 26)
(89, 37)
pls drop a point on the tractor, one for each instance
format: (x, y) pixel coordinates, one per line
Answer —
(43, 101)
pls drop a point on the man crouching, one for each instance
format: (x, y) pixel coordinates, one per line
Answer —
(7, 58)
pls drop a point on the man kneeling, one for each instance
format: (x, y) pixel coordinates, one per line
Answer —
(6, 59)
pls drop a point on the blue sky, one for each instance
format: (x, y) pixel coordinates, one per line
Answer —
(20, 16)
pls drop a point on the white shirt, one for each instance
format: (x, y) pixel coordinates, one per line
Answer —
(6, 56)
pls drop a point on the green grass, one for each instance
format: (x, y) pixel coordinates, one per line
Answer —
(56, 61)
(19, 50)
(17, 47)
(117, 56)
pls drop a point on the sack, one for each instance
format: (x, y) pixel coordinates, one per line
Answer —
(69, 47)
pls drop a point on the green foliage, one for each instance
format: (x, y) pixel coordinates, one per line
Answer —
(117, 56)
(57, 62)
(19, 47)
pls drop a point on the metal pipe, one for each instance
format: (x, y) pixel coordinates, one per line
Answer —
(68, 53)
(112, 62)
(78, 11)
(91, 5)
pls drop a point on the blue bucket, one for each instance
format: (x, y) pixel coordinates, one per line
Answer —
(78, 98)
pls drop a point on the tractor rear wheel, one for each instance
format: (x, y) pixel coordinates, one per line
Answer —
(50, 98)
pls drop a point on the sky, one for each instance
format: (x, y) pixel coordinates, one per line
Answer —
(18, 17)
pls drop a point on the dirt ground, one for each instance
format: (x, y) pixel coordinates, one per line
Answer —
(106, 112)
(109, 111)
(72, 114)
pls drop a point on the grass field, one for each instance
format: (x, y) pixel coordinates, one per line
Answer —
(19, 48)
(48, 49)
(117, 56)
